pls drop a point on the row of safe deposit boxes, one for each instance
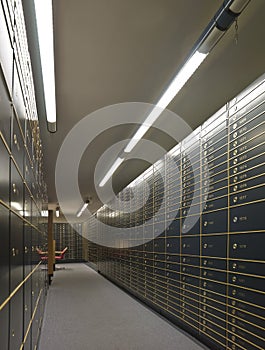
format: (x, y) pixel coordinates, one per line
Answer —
(194, 246)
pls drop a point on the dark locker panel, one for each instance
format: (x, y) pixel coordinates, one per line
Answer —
(16, 320)
(248, 217)
(28, 284)
(248, 246)
(36, 290)
(17, 144)
(27, 205)
(4, 173)
(247, 267)
(16, 277)
(16, 251)
(35, 243)
(4, 320)
(214, 246)
(215, 222)
(4, 276)
(27, 311)
(16, 190)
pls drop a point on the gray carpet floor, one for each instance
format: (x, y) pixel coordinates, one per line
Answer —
(86, 311)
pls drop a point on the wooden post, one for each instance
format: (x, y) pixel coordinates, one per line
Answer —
(50, 246)
(53, 254)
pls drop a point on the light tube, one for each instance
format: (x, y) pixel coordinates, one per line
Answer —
(175, 86)
(111, 171)
(137, 136)
(16, 206)
(44, 213)
(44, 18)
(57, 212)
(181, 78)
(82, 209)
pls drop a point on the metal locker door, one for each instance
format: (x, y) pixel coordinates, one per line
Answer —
(4, 172)
(17, 147)
(35, 306)
(16, 277)
(16, 320)
(27, 285)
(27, 313)
(4, 276)
(16, 193)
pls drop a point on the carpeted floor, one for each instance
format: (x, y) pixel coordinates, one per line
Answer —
(86, 311)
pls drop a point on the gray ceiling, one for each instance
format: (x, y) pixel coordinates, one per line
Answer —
(115, 51)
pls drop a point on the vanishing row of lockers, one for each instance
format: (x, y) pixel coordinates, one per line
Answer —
(23, 193)
(216, 174)
(248, 196)
(203, 205)
(196, 304)
(65, 235)
(23, 281)
(196, 293)
(238, 247)
(235, 219)
(170, 286)
(242, 188)
(15, 58)
(219, 271)
(20, 146)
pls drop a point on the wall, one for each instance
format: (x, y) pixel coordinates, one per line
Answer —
(188, 235)
(23, 278)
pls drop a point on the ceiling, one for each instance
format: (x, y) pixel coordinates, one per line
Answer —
(110, 52)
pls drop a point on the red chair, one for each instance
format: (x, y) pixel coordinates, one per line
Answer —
(43, 255)
(59, 254)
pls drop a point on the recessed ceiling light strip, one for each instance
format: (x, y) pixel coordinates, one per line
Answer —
(44, 19)
(221, 22)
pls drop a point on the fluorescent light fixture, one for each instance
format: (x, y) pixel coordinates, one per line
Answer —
(44, 213)
(82, 209)
(175, 86)
(137, 137)
(111, 171)
(57, 212)
(181, 78)
(44, 18)
(209, 38)
(16, 206)
(24, 213)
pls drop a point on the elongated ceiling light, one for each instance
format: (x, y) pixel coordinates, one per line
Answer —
(80, 212)
(221, 22)
(44, 19)
(16, 206)
(57, 212)
(174, 87)
(111, 171)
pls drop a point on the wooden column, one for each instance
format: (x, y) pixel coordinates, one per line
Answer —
(51, 251)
